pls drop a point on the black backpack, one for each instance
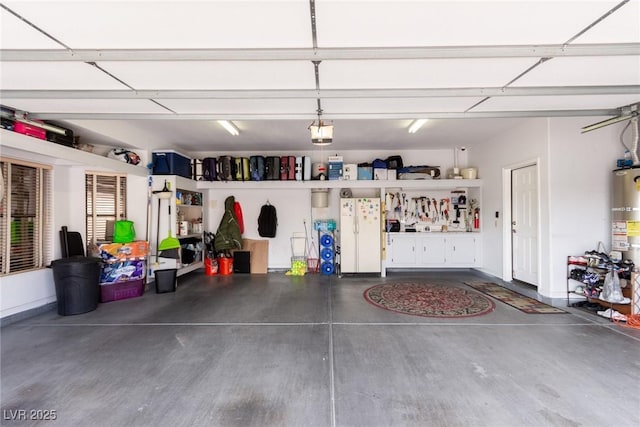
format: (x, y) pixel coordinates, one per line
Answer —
(267, 221)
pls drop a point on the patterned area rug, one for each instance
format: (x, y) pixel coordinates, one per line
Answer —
(427, 300)
(514, 299)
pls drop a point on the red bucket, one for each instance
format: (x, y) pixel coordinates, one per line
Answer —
(225, 266)
(210, 267)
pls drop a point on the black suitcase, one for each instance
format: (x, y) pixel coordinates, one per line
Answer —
(209, 169)
(273, 168)
(256, 168)
(57, 138)
(225, 168)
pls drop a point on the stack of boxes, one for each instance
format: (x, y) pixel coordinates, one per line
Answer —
(338, 170)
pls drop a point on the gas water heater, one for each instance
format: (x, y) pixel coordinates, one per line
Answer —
(625, 213)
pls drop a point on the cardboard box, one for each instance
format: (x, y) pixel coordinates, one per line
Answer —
(392, 174)
(350, 172)
(365, 173)
(335, 168)
(379, 174)
(259, 253)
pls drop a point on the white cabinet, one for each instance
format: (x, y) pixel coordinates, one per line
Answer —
(427, 250)
(401, 251)
(181, 217)
(432, 251)
(460, 251)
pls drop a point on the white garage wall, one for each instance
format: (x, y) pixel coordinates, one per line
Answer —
(580, 194)
(25, 291)
(574, 183)
(294, 206)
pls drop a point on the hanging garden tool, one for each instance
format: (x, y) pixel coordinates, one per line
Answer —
(169, 246)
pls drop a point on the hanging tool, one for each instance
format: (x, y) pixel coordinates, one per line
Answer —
(398, 207)
(457, 220)
(170, 246)
(423, 205)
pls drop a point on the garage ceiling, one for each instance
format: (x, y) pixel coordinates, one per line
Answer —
(158, 74)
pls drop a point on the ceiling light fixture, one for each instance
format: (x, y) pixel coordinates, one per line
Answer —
(626, 113)
(321, 134)
(416, 125)
(229, 127)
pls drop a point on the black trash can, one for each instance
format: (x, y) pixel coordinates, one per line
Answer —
(77, 281)
(166, 280)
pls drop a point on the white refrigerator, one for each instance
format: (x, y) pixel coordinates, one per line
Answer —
(360, 235)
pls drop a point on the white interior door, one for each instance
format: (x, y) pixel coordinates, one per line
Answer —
(524, 224)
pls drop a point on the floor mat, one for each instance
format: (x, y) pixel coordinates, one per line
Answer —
(514, 299)
(428, 300)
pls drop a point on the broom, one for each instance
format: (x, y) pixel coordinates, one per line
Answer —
(169, 246)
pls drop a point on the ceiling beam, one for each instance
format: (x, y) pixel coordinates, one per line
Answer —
(321, 54)
(323, 93)
(329, 116)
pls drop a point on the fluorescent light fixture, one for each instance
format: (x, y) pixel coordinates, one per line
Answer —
(610, 121)
(416, 125)
(321, 134)
(229, 127)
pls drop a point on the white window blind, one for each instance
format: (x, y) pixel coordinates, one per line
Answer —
(106, 196)
(25, 217)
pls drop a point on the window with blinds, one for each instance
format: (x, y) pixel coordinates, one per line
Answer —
(106, 202)
(25, 216)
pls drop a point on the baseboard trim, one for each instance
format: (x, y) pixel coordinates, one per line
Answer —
(13, 318)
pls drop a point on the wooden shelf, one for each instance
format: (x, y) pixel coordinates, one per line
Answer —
(428, 184)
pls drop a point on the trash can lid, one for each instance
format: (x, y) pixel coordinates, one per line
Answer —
(76, 260)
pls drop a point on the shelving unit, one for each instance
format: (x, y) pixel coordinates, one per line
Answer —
(428, 184)
(579, 298)
(188, 208)
(33, 149)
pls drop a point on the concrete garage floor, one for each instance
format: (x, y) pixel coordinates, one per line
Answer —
(276, 350)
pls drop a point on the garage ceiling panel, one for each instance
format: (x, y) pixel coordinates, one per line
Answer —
(214, 74)
(421, 73)
(172, 24)
(434, 23)
(611, 70)
(230, 107)
(86, 106)
(396, 106)
(557, 102)
(15, 34)
(55, 76)
(623, 26)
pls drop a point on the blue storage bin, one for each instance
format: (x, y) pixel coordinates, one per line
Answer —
(170, 162)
